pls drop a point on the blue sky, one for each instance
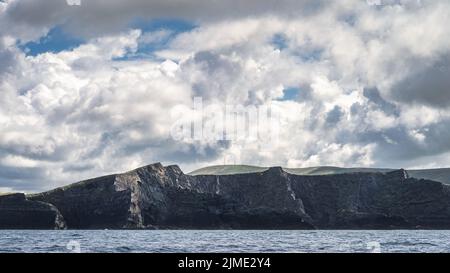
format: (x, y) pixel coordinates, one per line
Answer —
(58, 39)
(55, 41)
(291, 93)
(172, 26)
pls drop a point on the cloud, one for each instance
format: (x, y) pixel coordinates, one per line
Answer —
(372, 85)
(429, 85)
(99, 16)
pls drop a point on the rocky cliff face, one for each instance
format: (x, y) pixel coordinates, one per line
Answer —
(16, 212)
(164, 197)
(370, 201)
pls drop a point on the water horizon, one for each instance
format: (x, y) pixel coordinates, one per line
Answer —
(224, 241)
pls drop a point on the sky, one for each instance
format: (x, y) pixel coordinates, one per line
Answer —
(94, 88)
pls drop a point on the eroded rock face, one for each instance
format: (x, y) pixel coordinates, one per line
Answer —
(371, 201)
(93, 204)
(16, 212)
(164, 197)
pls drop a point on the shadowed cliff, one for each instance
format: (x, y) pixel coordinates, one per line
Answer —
(16, 212)
(155, 196)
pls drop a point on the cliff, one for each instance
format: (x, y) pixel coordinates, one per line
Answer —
(164, 197)
(16, 212)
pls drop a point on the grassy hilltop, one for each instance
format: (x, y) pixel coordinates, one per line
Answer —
(440, 175)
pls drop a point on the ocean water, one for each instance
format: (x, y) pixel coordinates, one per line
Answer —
(167, 241)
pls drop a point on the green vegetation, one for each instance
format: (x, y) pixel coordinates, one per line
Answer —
(5, 193)
(228, 170)
(440, 175)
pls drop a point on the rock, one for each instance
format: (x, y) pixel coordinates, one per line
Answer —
(155, 196)
(164, 197)
(98, 203)
(400, 174)
(16, 212)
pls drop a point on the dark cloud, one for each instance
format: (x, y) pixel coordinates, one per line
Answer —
(78, 167)
(13, 173)
(102, 16)
(173, 152)
(7, 61)
(334, 116)
(218, 74)
(429, 85)
(397, 147)
(373, 95)
(49, 151)
(23, 178)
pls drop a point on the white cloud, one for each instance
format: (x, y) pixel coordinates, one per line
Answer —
(91, 110)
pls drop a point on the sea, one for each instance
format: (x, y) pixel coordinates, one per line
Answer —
(224, 241)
